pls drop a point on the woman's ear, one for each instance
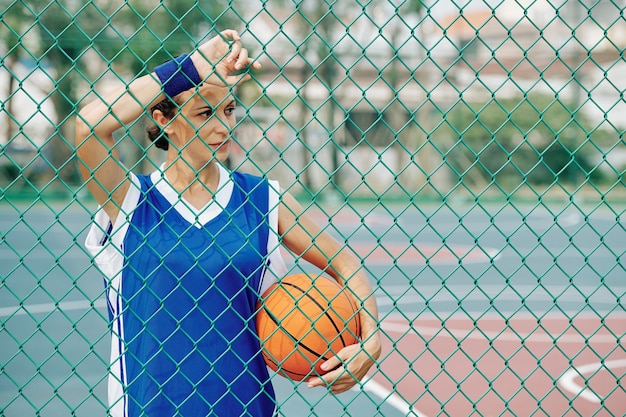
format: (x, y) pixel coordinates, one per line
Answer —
(161, 120)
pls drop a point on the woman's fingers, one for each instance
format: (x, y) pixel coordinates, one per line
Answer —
(242, 57)
(349, 366)
(217, 59)
(230, 34)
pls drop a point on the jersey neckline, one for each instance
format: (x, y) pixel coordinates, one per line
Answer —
(196, 217)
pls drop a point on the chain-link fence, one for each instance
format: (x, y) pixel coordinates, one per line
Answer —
(470, 153)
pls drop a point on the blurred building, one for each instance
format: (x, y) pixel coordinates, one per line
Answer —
(392, 72)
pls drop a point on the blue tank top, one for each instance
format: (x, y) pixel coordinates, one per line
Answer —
(188, 297)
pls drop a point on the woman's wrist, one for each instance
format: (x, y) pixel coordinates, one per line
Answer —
(178, 75)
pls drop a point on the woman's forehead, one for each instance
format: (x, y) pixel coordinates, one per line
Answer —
(211, 95)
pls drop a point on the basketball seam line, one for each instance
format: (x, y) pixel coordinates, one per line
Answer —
(299, 343)
(321, 307)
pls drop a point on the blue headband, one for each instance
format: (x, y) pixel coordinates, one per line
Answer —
(178, 75)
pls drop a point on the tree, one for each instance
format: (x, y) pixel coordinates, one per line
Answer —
(406, 138)
(15, 23)
(316, 25)
(322, 28)
(532, 139)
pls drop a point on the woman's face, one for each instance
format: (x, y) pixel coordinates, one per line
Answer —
(203, 126)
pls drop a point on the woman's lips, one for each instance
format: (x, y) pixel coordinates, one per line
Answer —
(218, 144)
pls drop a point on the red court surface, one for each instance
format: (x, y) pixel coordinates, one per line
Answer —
(551, 366)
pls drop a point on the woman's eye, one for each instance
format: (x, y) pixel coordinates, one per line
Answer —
(207, 113)
(230, 110)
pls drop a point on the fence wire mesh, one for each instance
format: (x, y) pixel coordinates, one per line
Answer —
(470, 154)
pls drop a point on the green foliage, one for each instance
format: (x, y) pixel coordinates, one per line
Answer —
(535, 139)
(144, 33)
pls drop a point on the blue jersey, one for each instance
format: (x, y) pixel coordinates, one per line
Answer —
(183, 296)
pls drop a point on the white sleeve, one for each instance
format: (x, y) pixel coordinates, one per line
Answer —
(104, 240)
(277, 268)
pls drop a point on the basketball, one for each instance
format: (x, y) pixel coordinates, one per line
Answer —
(303, 321)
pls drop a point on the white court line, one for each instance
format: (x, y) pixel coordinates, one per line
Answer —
(49, 307)
(505, 335)
(567, 380)
(390, 397)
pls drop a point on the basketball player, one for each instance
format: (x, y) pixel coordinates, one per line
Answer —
(188, 248)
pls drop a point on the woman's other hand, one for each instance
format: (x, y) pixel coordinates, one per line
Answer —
(220, 60)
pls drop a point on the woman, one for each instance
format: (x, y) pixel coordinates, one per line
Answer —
(189, 248)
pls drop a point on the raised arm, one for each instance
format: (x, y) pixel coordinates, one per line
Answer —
(98, 156)
(303, 237)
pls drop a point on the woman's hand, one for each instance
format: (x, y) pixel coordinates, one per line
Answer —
(349, 366)
(219, 59)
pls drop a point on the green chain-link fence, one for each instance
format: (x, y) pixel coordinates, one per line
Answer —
(470, 153)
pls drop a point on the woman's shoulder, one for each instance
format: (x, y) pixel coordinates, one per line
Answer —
(256, 185)
(244, 178)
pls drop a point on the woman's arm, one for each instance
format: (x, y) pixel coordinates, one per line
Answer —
(98, 156)
(303, 237)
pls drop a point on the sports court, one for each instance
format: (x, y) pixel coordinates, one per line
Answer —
(458, 338)
(470, 153)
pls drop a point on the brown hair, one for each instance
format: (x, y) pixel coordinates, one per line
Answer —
(168, 107)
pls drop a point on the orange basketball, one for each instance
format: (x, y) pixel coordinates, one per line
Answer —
(303, 321)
